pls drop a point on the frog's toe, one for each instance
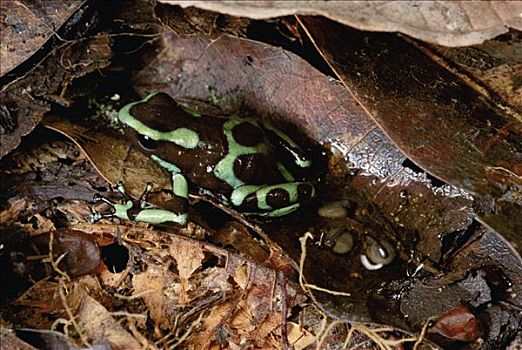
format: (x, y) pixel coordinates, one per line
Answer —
(143, 198)
(97, 198)
(95, 217)
(120, 187)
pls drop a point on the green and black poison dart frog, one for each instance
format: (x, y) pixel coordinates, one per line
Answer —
(244, 163)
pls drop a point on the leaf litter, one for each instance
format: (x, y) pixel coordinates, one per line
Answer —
(173, 292)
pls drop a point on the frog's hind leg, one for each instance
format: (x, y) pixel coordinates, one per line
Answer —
(272, 200)
(288, 147)
(143, 211)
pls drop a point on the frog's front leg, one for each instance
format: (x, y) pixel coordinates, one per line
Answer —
(272, 200)
(178, 214)
(140, 210)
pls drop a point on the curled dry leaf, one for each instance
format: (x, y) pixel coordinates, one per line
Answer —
(449, 23)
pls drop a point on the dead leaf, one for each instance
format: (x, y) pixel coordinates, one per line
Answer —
(26, 99)
(11, 342)
(12, 214)
(496, 64)
(299, 337)
(26, 26)
(150, 285)
(448, 128)
(188, 258)
(458, 324)
(455, 23)
(50, 339)
(99, 325)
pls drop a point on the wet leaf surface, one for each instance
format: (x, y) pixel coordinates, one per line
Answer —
(448, 128)
(455, 23)
(451, 130)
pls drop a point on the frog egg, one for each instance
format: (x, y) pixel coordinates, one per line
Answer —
(334, 210)
(378, 254)
(343, 244)
(339, 240)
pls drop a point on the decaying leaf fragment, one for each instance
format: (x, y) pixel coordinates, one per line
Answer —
(458, 324)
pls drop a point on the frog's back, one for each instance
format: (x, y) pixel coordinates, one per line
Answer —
(231, 151)
(228, 151)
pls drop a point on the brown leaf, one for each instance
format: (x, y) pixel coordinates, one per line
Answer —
(50, 339)
(114, 158)
(458, 324)
(81, 253)
(445, 126)
(151, 285)
(248, 73)
(188, 257)
(100, 326)
(29, 260)
(26, 26)
(455, 23)
(496, 64)
(25, 100)
(11, 342)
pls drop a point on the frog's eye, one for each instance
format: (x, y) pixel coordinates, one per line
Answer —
(147, 143)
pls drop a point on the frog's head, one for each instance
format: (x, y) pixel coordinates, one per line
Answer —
(153, 125)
